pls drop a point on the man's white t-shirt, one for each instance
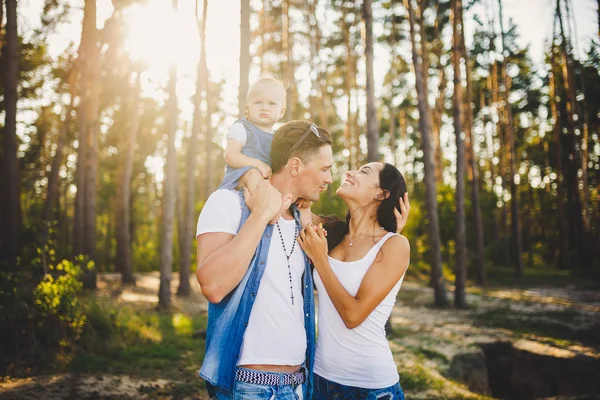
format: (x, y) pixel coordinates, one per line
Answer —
(275, 334)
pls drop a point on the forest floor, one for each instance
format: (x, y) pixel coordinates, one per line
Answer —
(131, 351)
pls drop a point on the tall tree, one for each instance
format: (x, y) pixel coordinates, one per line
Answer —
(244, 54)
(480, 275)
(191, 162)
(10, 243)
(84, 231)
(437, 279)
(123, 215)
(52, 188)
(287, 62)
(372, 128)
(561, 261)
(169, 188)
(460, 299)
(508, 126)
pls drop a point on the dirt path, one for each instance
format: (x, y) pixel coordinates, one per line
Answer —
(425, 338)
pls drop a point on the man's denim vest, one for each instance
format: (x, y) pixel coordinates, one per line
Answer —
(228, 319)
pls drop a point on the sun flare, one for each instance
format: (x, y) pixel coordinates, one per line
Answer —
(158, 37)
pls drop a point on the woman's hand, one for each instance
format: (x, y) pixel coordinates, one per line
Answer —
(313, 240)
(402, 216)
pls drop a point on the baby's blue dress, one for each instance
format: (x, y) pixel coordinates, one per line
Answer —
(258, 145)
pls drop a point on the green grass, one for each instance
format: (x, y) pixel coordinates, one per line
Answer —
(417, 379)
(543, 324)
(136, 341)
(536, 276)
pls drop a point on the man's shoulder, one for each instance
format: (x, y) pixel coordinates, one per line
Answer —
(224, 197)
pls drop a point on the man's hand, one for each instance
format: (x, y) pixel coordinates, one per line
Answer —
(266, 201)
(402, 215)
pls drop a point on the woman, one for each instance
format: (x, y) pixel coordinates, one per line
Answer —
(357, 284)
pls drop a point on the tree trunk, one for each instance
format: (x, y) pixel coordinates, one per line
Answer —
(372, 128)
(52, 190)
(244, 54)
(392, 133)
(188, 204)
(480, 275)
(514, 200)
(403, 138)
(168, 197)
(437, 278)
(210, 173)
(288, 62)
(84, 232)
(348, 129)
(263, 29)
(561, 260)
(123, 215)
(460, 299)
(11, 187)
(439, 108)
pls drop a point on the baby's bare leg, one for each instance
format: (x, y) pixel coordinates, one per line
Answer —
(250, 180)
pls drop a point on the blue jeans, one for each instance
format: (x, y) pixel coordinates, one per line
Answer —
(252, 391)
(325, 390)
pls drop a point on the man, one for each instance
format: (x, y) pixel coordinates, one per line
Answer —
(261, 329)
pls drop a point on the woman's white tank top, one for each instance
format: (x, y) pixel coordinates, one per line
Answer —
(361, 356)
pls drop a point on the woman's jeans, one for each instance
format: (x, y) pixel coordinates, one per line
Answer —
(325, 390)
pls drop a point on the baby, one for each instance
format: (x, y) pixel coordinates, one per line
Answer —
(248, 151)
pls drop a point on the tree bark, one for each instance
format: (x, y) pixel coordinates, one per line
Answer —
(576, 219)
(460, 299)
(348, 129)
(480, 275)
(11, 197)
(91, 169)
(372, 128)
(514, 200)
(561, 260)
(122, 222)
(1, 24)
(392, 133)
(190, 186)
(210, 173)
(288, 62)
(52, 189)
(437, 279)
(244, 54)
(168, 197)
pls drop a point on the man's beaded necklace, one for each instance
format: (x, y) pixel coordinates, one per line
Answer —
(288, 256)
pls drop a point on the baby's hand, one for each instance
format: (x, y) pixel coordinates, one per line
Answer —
(305, 213)
(302, 203)
(264, 169)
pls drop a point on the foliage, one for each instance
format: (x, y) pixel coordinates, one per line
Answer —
(135, 340)
(42, 322)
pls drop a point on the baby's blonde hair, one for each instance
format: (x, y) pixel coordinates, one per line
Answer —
(268, 80)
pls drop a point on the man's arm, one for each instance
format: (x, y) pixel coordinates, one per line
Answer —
(223, 258)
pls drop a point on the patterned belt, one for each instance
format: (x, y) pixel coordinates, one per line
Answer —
(270, 378)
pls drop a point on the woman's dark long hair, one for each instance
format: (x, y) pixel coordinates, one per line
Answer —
(390, 180)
